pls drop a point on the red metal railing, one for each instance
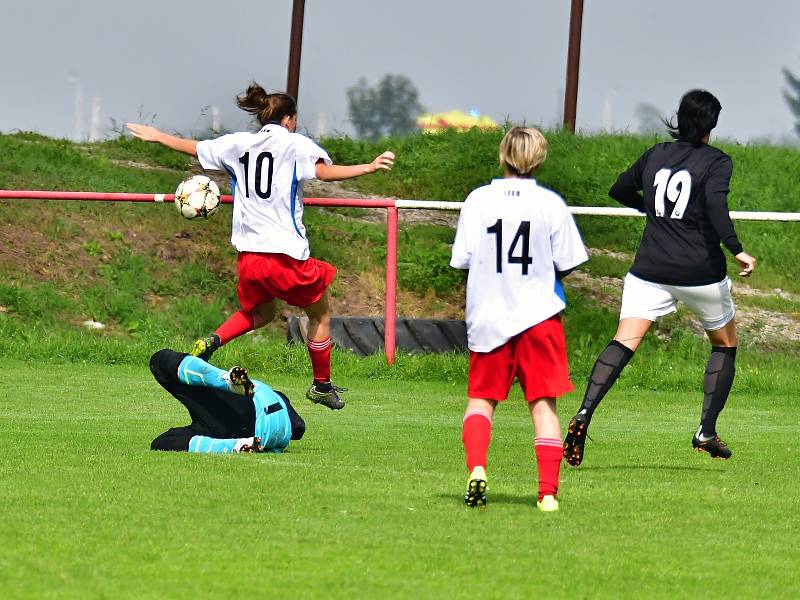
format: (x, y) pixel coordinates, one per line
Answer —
(391, 205)
(390, 314)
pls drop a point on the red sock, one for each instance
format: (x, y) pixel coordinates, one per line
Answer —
(548, 455)
(476, 434)
(238, 324)
(320, 353)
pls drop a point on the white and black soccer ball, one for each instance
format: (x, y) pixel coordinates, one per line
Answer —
(197, 196)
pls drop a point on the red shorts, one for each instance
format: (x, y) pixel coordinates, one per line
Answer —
(537, 357)
(264, 277)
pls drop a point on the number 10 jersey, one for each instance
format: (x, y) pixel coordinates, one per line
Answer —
(513, 235)
(268, 169)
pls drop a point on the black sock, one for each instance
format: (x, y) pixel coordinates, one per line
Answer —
(605, 372)
(323, 386)
(720, 371)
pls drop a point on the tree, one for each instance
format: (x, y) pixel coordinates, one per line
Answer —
(650, 119)
(792, 97)
(389, 107)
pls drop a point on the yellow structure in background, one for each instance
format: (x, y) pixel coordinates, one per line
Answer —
(455, 119)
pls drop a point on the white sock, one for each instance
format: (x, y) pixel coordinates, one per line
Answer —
(478, 473)
(241, 442)
(699, 435)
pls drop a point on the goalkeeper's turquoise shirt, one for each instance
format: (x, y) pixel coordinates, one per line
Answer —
(272, 424)
(272, 418)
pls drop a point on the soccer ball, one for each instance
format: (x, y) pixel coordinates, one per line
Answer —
(197, 196)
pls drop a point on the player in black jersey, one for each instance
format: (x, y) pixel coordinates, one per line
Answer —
(682, 187)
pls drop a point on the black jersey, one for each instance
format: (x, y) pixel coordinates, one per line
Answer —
(685, 189)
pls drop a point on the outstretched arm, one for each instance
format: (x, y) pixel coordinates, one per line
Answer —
(151, 134)
(325, 172)
(210, 445)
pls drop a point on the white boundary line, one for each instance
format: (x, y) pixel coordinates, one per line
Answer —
(604, 211)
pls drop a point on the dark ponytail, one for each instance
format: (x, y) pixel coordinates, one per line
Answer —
(697, 116)
(267, 108)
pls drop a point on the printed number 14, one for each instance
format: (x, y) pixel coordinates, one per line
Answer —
(522, 238)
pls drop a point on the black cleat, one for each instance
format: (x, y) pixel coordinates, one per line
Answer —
(575, 439)
(205, 347)
(239, 381)
(327, 397)
(476, 494)
(714, 446)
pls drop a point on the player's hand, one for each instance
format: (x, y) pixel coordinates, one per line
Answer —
(144, 132)
(383, 162)
(747, 263)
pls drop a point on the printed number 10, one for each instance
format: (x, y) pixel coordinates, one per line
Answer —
(522, 238)
(260, 191)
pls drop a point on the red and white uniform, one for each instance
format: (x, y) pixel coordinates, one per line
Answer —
(513, 235)
(268, 170)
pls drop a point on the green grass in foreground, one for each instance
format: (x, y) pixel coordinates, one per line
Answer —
(368, 505)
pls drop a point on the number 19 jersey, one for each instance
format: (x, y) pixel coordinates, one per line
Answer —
(268, 169)
(685, 197)
(513, 235)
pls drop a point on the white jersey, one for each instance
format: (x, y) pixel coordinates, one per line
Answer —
(513, 235)
(268, 169)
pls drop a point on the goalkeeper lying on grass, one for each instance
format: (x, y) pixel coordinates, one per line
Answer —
(229, 412)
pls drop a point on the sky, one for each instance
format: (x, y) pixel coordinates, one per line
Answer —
(80, 69)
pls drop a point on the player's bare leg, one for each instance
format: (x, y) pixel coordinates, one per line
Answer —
(606, 371)
(319, 318)
(318, 342)
(476, 435)
(264, 314)
(717, 383)
(547, 444)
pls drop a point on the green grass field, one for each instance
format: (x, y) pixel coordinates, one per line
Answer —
(368, 504)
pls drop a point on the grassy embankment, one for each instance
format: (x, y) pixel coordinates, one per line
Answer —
(155, 279)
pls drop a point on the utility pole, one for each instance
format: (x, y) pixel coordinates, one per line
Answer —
(573, 64)
(295, 48)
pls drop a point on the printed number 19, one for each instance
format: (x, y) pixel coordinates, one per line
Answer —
(677, 188)
(522, 237)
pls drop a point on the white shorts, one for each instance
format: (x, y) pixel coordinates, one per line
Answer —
(712, 304)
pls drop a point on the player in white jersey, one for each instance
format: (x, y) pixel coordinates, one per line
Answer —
(518, 239)
(268, 169)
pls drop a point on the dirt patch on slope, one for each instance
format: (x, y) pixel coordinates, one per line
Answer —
(69, 246)
(756, 326)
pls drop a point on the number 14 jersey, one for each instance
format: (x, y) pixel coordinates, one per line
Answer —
(513, 235)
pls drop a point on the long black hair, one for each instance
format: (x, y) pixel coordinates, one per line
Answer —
(697, 116)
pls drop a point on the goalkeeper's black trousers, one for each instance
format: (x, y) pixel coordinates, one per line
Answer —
(214, 413)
